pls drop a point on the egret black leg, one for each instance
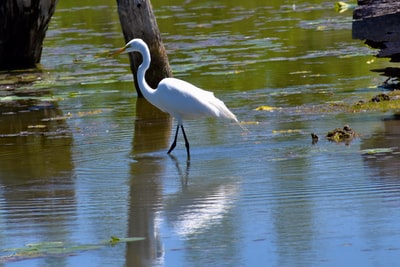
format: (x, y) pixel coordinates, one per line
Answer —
(173, 145)
(186, 142)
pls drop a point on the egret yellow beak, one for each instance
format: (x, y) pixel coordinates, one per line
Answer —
(119, 51)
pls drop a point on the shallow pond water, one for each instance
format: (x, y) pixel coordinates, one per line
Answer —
(82, 159)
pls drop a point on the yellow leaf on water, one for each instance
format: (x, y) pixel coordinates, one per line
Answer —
(38, 126)
(249, 122)
(265, 108)
(114, 240)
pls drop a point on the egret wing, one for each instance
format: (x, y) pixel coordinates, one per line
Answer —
(186, 101)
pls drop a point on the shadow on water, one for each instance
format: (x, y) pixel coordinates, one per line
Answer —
(36, 169)
(382, 152)
(152, 130)
(392, 74)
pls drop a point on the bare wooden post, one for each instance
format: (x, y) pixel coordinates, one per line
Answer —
(138, 21)
(23, 26)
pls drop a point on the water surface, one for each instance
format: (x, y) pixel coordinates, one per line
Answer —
(86, 160)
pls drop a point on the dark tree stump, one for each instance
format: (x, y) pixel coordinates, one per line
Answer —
(138, 21)
(377, 22)
(23, 26)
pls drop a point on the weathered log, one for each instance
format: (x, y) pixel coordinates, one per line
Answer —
(374, 8)
(23, 26)
(374, 2)
(138, 21)
(377, 22)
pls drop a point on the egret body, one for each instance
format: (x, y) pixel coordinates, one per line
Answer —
(180, 99)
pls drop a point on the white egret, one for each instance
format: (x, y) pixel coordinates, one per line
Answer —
(180, 99)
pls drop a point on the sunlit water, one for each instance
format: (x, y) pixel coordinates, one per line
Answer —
(93, 164)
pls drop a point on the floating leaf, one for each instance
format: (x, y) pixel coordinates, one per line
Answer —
(249, 122)
(99, 82)
(44, 249)
(343, 6)
(38, 126)
(74, 94)
(266, 108)
(60, 118)
(114, 240)
(373, 151)
(286, 131)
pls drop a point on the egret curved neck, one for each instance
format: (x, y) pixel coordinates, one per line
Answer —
(146, 90)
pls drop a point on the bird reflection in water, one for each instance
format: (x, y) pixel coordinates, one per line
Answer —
(184, 175)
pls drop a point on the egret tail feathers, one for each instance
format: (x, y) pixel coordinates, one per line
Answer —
(226, 113)
(242, 126)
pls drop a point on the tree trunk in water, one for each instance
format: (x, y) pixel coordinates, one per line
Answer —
(377, 22)
(138, 21)
(23, 26)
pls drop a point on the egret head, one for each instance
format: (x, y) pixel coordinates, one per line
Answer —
(134, 45)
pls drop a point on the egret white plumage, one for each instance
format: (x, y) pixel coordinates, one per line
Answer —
(180, 99)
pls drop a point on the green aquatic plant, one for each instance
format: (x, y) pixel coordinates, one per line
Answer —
(341, 135)
(57, 249)
(380, 102)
